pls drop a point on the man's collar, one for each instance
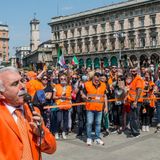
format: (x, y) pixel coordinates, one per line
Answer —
(12, 108)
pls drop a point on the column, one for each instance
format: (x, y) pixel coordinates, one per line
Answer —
(126, 41)
(69, 47)
(91, 45)
(83, 45)
(108, 43)
(136, 39)
(76, 46)
(99, 44)
(147, 38)
(83, 33)
(98, 28)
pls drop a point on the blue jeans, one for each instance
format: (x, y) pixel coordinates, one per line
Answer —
(94, 116)
(134, 119)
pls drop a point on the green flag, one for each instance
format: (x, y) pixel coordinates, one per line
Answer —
(75, 61)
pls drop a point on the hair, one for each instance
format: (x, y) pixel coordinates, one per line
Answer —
(11, 69)
(4, 69)
(63, 74)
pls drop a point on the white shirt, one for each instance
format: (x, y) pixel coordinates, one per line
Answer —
(12, 109)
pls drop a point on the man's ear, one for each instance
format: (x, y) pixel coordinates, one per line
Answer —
(1, 96)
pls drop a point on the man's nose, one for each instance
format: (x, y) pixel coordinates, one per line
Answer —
(21, 86)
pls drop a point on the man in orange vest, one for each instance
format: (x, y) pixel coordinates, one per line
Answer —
(95, 95)
(135, 98)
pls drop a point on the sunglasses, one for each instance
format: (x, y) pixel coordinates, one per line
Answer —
(44, 78)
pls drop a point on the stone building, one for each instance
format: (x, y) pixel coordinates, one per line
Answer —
(20, 53)
(39, 57)
(110, 35)
(4, 44)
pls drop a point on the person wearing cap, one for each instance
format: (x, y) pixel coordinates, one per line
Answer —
(95, 97)
(33, 84)
(135, 96)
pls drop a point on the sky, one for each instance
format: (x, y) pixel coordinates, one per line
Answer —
(17, 14)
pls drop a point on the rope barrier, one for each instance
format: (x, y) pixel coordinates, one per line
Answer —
(84, 103)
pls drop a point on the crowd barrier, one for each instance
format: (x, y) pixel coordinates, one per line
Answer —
(84, 103)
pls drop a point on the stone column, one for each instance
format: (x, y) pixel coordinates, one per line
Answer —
(126, 41)
(69, 47)
(136, 39)
(98, 28)
(76, 33)
(99, 44)
(108, 43)
(83, 33)
(147, 39)
(83, 45)
(76, 46)
(91, 45)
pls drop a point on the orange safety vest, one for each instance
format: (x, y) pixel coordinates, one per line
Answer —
(60, 90)
(138, 82)
(96, 95)
(151, 97)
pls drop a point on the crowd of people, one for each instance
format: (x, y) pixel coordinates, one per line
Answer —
(109, 100)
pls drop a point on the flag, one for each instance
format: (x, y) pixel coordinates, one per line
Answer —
(61, 60)
(75, 61)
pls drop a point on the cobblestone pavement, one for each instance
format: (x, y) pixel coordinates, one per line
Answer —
(117, 147)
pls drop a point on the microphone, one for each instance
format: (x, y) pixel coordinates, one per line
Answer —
(28, 100)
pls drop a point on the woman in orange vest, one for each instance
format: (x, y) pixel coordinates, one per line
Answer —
(62, 96)
(147, 109)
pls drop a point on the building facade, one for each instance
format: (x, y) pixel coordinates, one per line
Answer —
(4, 44)
(39, 57)
(110, 35)
(20, 53)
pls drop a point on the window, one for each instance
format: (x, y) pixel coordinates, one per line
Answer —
(112, 26)
(95, 29)
(153, 41)
(121, 23)
(72, 33)
(79, 31)
(142, 42)
(4, 35)
(103, 26)
(141, 19)
(131, 23)
(87, 30)
(65, 33)
(153, 20)
(132, 44)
